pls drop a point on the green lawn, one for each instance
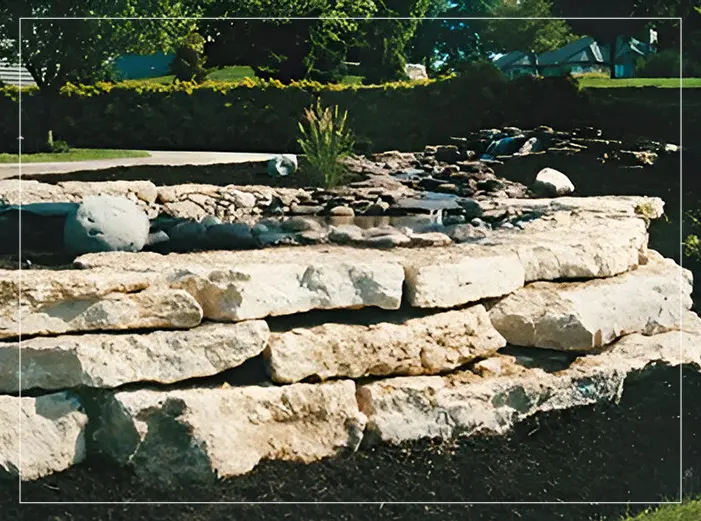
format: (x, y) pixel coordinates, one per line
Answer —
(233, 73)
(238, 72)
(672, 83)
(76, 154)
(689, 511)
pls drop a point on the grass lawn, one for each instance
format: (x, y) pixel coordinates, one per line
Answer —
(76, 154)
(690, 511)
(239, 72)
(233, 73)
(672, 83)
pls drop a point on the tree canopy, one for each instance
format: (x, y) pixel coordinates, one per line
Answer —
(57, 51)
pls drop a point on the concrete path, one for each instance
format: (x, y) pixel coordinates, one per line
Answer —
(8, 170)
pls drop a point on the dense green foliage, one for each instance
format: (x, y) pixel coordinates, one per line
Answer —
(58, 51)
(188, 63)
(325, 141)
(258, 115)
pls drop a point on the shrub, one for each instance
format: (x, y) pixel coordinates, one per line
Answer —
(692, 244)
(664, 64)
(56, 146)
(188, 63)
(325, 143)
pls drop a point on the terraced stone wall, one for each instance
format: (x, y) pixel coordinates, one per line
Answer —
(196, 367)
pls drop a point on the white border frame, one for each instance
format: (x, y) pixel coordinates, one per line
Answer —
(380, 503)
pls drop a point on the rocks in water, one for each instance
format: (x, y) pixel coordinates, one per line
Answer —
(106, 361)
(465, 233)
(300, 224)
(346, 234)
(305, 209)
(415, 346)
(532, 145)
(342, 211)
(589, 315)
(430, 239)
(202, 435)
(282, 165)
(448, 154)
(506, 146)
(230, 236)
(106, 223)
(551, 183)
(387, 240)
(52, 435)
(188, 236)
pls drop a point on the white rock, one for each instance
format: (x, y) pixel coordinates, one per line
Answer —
(63, 301)
(464, 404)
(447, 284)
(415, 71)
(105, 361)
(592, 314)
(204, 434)
(551, 183)
(52, 435)
(426, 345)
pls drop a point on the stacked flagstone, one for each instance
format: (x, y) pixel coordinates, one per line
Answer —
(428, 325)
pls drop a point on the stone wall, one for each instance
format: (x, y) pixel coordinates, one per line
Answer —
(145, 358)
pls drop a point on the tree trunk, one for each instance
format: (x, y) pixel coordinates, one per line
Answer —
(612, 57)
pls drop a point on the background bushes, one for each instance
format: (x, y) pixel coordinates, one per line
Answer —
(262, 116)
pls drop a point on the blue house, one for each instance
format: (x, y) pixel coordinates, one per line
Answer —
(137, 66)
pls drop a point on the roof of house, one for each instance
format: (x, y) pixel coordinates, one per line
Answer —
(584, 50)
(516, 59)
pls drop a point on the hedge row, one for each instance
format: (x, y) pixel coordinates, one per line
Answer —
(254, 115)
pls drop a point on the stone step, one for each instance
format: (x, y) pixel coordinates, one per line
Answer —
(504, 390)
(416, 346)
(52, 435)
(592, 314)
(111, 360)
(53, 302)
(200, 435)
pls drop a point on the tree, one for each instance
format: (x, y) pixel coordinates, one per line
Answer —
(283, 48)
(608, 31)
(526, 35)
(383, 47)
(446, 44)
(76, 50)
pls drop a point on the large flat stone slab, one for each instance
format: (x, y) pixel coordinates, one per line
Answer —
(589, 315)
(52, 435)
(204, 434)
(54, 302)
(509, 389)
(111, 360)
(242, 285)
(417, 346)
(559, 244)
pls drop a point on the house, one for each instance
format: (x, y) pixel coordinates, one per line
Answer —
(582, 56)
(579, 57)
(518, 63)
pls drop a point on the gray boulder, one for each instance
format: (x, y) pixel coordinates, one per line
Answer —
(552, 183)
(106, 223)
(282, 165)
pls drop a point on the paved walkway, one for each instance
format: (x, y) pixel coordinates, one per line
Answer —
(8, 170)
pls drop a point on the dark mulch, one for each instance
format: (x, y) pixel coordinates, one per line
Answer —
(625, 452)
